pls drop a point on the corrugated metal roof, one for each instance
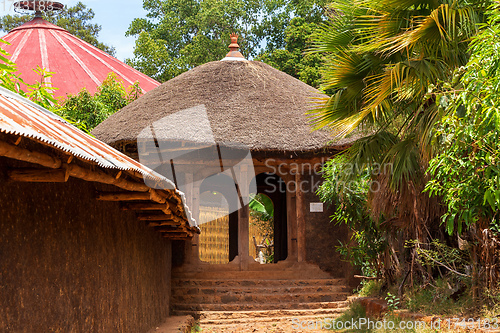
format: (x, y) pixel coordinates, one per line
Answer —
(76, 63)
(22, 117)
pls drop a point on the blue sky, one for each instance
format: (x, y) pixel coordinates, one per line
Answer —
(114, 16)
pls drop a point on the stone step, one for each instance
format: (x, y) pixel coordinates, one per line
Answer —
(239, 283)
(257, 289)
(303, 321)
(180, 307)
(302, 271)
(259, 297)
(227, 316)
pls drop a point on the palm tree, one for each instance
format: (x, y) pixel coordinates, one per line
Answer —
(388, 63)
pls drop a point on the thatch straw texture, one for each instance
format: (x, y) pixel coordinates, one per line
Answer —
(246, 102)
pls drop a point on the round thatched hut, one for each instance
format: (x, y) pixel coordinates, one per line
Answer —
(243, 129)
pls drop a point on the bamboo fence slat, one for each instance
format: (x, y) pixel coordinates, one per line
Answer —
(214, 237)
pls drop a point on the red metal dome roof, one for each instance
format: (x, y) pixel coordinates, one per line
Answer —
(76, 63)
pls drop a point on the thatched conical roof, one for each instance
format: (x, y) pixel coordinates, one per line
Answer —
(247, 102)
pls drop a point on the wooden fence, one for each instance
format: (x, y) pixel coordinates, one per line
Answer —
(214, 237)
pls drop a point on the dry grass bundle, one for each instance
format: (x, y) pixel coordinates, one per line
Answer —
(247, 102)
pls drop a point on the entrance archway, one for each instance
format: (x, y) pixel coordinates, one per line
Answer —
(273, 187)
(261, 228)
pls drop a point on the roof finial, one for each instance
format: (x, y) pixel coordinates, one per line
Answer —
(234, 54)
(234, 43)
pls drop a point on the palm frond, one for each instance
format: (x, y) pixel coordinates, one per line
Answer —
(404, 158)
(368, 153)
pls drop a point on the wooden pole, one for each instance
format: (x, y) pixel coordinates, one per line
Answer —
(171, 231)
(174, 237)
(102, 177)
(166, 207)
(73, 170)
(124, 196)
(163, 223)
(243, 221)
(157, 217)
(291, 217)
(21, 154)
(191, 250)
(131, 196)
(145, 206)
(38, 175)
(301, 223)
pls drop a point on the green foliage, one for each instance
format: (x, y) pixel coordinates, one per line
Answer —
(348, 191)
(438, 254)
(382, 57)
(76, 19)
(392, 302)
(178, 35)
(389, 66)
(491, 307)
(466, 172)
(90, 110)
(196, 328)
(448, 297)
(291, 59)
(262, 211)
(261, 204)
(370, 288)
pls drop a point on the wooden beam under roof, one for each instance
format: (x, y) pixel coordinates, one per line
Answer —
(123, 196)
(154, 217)
(163, 223)
(35, 175)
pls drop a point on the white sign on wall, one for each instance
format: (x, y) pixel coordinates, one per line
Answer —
(316, 207)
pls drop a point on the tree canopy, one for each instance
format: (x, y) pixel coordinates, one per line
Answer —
(178, 35)
(466, 170)
(76, 19)
(387, 65)
(89, 110)
(292, 58)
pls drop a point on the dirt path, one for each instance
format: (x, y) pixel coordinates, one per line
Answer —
(282, 326)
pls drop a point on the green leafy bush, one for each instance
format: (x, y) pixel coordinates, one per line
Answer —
(90, 110)
(348, 191)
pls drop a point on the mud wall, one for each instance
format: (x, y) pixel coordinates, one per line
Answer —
(323, 236)
(69, 263)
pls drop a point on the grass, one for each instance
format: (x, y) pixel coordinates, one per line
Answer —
(196, 328)
(370, 288)
(440, 300)
(443, 298)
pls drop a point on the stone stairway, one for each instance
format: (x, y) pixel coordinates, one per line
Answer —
(234, 297)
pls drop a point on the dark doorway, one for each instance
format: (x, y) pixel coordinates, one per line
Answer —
(274, 187)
